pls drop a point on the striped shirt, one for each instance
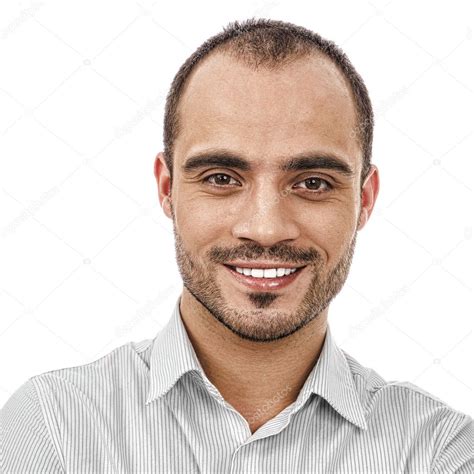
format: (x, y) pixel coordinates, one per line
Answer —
(148, 407)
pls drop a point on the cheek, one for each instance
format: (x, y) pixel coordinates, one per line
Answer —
(329, 228)
(201, 221)
(333, 219)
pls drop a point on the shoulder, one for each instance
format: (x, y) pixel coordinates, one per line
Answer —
(26, 431)
(123, 357)
(415, 413)
(377, 390)
(121, 367)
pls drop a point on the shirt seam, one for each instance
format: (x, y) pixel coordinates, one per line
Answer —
(439, 457)
(395, 384)
(424, 395)
(48, 428)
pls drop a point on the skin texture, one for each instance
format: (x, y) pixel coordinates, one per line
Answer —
(259, 346)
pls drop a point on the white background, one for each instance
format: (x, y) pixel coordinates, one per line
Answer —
(87, 255)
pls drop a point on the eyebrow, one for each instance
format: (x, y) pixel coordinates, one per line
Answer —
(301, 162)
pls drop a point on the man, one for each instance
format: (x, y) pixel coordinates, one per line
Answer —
(267, 178)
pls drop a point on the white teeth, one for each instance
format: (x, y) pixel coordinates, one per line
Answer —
(265, 272)
(270, 273)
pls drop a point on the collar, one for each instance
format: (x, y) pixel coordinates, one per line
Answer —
(331, 378)
(173, 355)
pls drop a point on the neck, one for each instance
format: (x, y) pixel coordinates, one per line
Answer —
(249, 374)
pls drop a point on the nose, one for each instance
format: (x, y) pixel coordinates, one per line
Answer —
(266, 217)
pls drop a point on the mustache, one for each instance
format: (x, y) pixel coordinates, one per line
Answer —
(283, 253)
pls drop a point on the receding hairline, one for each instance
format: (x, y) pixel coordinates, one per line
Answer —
(226, 50)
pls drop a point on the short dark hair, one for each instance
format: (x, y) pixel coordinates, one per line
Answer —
(270, 44)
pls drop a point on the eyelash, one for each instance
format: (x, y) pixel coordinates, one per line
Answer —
(327, 183)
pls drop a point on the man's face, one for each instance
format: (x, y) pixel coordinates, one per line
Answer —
(224, 214)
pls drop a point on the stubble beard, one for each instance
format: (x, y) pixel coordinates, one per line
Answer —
(263, 323)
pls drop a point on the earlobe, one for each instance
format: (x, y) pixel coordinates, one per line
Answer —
(166, 206)
(362, 219)
(369, 196)
(163, 182)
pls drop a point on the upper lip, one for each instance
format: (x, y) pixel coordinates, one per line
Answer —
(262, 265)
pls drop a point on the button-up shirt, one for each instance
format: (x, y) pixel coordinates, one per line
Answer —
(148, 407)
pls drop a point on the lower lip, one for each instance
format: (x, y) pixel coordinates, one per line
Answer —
(263, 284)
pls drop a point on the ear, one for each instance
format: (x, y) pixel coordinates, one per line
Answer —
(370, 191)
(163, 181)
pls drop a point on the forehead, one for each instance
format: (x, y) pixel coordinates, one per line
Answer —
(261, 114)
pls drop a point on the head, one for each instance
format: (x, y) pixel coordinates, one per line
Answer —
(268, 136)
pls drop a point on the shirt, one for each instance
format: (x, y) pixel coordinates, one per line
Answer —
(148, 407)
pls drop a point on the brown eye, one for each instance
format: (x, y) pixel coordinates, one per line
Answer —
(218, 179)
(313, 184)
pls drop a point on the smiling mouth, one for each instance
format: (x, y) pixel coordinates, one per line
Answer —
(259, 272)
(265, 279)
